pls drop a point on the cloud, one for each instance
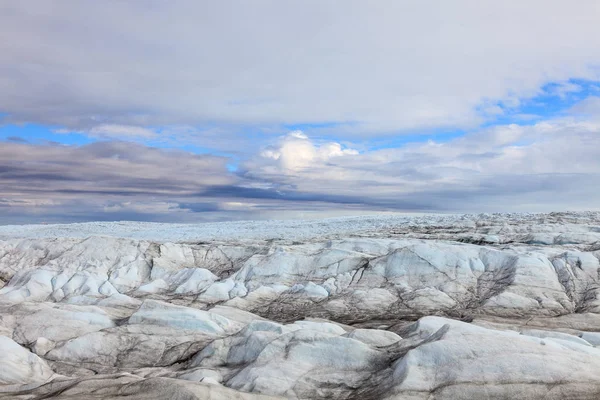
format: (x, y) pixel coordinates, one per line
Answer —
(589, 107)
(564, 89)
(112, 180)
(296, 151)
(16, 139)
(234, 75)
(397, 67)
(103, 177)
(549, 165)
(118, 166)
(114, 131)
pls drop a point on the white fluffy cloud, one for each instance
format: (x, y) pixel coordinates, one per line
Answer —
(296, 152)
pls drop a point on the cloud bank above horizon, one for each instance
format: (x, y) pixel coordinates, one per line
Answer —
(197, 111)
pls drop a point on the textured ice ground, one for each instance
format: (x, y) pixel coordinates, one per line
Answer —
(429, 307)
(236, 230)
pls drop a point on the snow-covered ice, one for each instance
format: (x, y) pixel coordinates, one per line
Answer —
(489, 306)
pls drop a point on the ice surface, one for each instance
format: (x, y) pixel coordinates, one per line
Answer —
(428, 307)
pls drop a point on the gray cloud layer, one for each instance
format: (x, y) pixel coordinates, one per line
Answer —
(383, 67)
(103, 180)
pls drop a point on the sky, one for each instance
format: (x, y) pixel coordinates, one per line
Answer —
(194, 110)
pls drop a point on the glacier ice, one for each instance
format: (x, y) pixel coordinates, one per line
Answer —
(488, 306)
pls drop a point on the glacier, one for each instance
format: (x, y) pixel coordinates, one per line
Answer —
(487, 306)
